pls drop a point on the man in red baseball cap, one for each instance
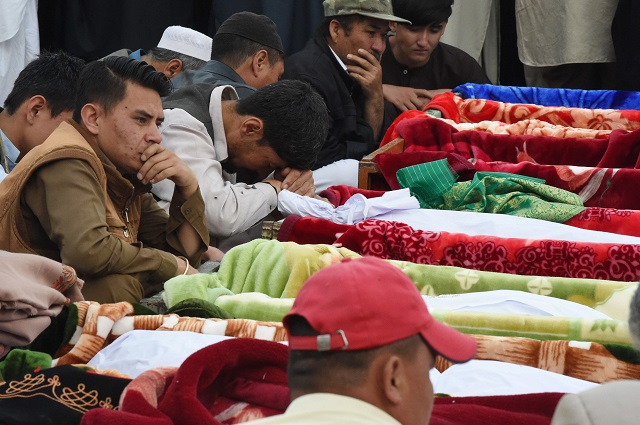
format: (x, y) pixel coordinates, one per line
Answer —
(362, 343)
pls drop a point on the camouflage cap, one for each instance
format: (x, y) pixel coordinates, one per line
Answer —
(379, 9)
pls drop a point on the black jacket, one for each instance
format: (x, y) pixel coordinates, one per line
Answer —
(350, 136)
(216, 73)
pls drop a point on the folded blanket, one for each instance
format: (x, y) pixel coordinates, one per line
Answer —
(591, 99)
(229, 382)
(34, 289)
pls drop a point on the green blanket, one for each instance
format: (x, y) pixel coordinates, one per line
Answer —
(278, 270)
(602, 331)
(434, 185)
(264, 308)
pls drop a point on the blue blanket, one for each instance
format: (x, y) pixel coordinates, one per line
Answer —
(590, 99)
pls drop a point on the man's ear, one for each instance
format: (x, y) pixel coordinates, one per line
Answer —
(173, 68)
(393, 379)
(91, 115)
(35, 107)
(260, 62)
(252, 128)
(444, 25)
(334, 30)
(393, 26)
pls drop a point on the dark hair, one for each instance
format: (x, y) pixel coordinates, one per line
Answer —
(53, 76)
(318, 371)
(345, 21)
(421, 12)
(233, 50)
(164, 55)
(295, 119)
(104, 82)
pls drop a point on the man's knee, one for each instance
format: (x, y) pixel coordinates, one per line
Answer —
(112, 289)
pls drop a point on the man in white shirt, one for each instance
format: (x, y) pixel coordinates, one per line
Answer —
(278, 128)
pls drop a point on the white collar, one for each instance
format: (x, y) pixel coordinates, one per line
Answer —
(215, 110)
(339, 60)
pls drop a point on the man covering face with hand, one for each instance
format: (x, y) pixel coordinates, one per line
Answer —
(342, 62)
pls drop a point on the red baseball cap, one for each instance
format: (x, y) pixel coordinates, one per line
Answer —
(366, 303)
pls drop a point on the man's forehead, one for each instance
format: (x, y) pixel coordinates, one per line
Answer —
(423, 25)
(379, 24)
(142, 98)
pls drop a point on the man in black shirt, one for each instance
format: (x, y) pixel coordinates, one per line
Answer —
(342, 63)
(415, 65)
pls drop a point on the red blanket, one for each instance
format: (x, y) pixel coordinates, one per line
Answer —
(398, 241)
(527, 409)
(422, 133)
(225, 383)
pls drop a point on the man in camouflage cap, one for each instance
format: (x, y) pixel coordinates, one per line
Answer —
(342, 62)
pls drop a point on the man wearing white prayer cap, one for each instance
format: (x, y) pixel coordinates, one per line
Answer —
(179, 49)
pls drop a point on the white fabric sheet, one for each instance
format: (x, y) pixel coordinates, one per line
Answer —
(396, 207)
(513, 302)
(489, 378)
(356, 209)
(139, 350)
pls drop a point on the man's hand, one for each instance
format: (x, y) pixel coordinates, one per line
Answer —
(365, 68)
(406, 98)
(297, 181)
(212, 254)
(159, 163)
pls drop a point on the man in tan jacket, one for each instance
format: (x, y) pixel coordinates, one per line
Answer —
(82, 197)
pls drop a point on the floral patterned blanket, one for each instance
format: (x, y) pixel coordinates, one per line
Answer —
(398, 241)
(476, 110)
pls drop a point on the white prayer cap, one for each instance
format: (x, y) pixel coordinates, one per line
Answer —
(186, 41)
